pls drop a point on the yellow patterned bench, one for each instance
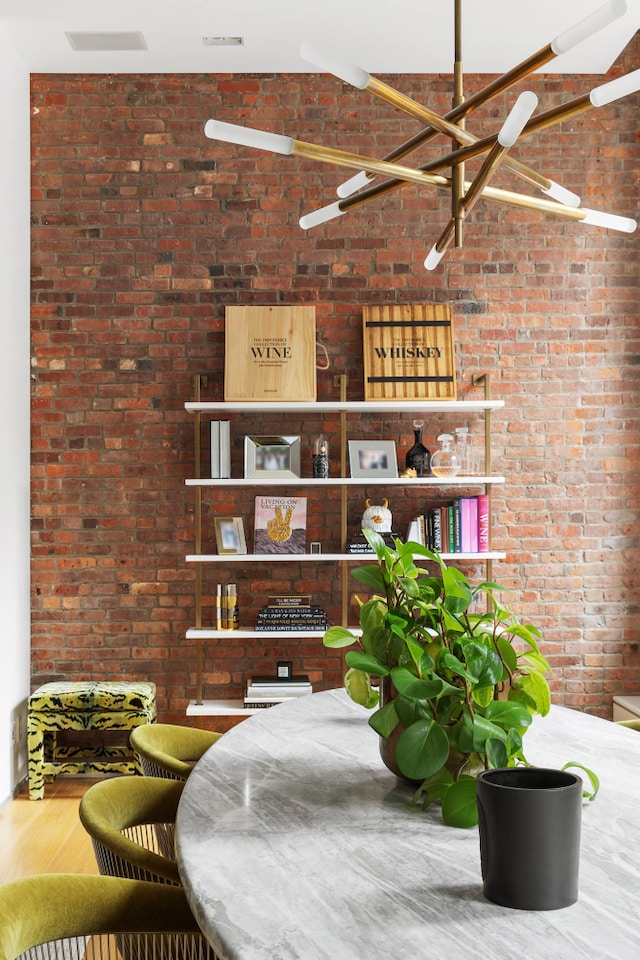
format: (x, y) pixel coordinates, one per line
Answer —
(101, 707)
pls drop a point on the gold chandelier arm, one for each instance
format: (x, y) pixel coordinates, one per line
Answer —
(508, 134)
(311, 151)
(442, 125)
(589, 26)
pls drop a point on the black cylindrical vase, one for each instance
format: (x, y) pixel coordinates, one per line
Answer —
(529, 820)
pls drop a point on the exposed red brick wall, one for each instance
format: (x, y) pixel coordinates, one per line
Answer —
(143, 231)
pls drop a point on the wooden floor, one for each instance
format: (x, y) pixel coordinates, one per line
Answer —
(46, 836)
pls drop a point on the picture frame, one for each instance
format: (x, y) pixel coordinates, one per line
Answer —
(271, 457)
(230, 537)
(374, 459)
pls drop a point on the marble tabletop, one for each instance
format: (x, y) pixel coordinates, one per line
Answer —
(296, 843)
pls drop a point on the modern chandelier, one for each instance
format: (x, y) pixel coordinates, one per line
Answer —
(377, 177)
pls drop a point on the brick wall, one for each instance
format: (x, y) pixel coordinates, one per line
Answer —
(143, 231)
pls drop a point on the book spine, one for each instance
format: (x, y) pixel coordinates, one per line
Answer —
(225, 449)
(219, 625)
(465, 525)
(457, 537)
(483, 523)
(437, 530)
(473, 524)
(450, 523)
(444, 527)
(215, 450)
(301, 601)
(291, 628)
(311, 613)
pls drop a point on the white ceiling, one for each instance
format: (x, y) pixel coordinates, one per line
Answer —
(415, 36)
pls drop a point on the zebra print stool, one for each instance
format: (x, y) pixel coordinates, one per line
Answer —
(101, 707)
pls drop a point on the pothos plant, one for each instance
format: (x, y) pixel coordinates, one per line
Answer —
(463, 683)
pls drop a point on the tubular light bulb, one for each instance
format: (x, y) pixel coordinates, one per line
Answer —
(518, 116)
(314, 219)
(433, 258)
(592, 24)
(599, 219)
(353, 184)
(248, 137)
(557, 192)
(622, 87)
(348, 72)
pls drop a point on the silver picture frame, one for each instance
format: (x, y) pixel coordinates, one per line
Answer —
(272, 458)
(373, 459)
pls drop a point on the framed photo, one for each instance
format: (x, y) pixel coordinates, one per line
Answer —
(230, 535)
(269, 457)
(373, 458)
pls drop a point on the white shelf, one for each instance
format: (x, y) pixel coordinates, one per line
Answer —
(332, 557)
(205, 633)
(221, 708)
(346, 481)
(353, 406)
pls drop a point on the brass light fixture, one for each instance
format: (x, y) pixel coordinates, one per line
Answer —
(448, 170)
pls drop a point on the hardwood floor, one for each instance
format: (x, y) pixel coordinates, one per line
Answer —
(45, 836)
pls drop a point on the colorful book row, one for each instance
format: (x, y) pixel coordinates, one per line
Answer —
(459, 527)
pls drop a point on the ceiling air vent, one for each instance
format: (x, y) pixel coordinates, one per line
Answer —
(223, 41)
(99, 40)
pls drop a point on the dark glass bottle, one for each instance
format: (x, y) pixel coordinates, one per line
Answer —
(418, 457)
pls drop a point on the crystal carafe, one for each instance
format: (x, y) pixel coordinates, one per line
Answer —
(462, 448)
(445, 462)
(418, 457)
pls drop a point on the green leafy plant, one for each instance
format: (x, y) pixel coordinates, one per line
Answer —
(462, 684)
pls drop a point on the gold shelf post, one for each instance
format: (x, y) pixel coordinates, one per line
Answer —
(342, 381)
(198, 382)
(485, 379)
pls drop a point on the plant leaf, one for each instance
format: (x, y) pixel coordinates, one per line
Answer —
(497, 753)
(536, 687)
(508, 713)
(484, 730)
(338, 637)
(483, 696)
(363, 661)
(385, 720)
(459, 804)
(357, 683)
(371, 576)
(433, 788)
(422, 749)
(595, 781)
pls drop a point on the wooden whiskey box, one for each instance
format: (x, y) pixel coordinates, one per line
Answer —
(408, 352)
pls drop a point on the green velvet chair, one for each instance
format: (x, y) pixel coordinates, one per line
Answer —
(169, 750)
(63, 915)
(632, 724)
(131, 821)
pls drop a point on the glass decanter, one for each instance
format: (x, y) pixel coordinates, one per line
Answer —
(445, 462)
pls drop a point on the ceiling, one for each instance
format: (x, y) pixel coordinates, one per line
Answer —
(379, 35)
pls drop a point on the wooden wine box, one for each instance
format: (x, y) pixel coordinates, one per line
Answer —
(408, 352)
(270, 353)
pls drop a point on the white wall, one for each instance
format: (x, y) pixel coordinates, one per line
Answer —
(14, 407)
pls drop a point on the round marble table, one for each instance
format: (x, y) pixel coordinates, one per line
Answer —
(295, 843)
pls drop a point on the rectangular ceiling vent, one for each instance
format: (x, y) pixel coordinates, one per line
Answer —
(223, 41)
(99, 40)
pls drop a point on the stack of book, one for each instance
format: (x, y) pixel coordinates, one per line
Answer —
(359, 543)
(460, 527)
(291, 615)
(267, 691)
